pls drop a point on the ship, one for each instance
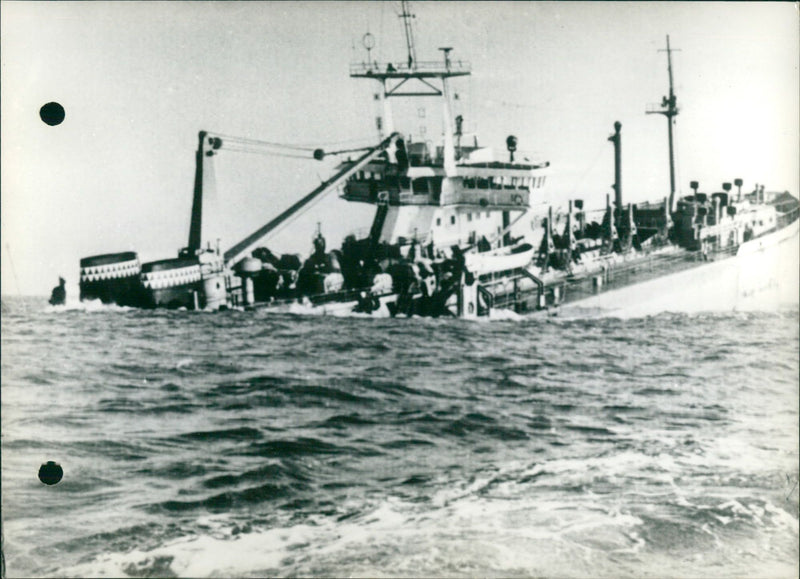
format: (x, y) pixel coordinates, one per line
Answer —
(442, 241)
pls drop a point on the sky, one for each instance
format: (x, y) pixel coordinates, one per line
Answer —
(139, 80)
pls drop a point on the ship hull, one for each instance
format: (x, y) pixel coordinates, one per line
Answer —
(183, 296)
(762, 274)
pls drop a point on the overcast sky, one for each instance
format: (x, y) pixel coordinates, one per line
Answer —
(139, 80)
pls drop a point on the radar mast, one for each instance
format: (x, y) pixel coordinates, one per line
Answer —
(409, 30)
(669, 108)
(414, 79)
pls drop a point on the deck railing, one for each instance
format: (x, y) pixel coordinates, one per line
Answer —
(455, 67)
(488, 197)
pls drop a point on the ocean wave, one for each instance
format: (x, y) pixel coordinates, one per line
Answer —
(247, 444)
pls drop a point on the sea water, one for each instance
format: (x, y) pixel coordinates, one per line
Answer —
(262, 444)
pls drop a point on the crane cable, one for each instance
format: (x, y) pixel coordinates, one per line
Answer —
(261, 147)
(266, 153)
(258, 142)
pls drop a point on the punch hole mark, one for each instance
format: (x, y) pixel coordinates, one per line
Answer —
(50, 473)
(52, 114)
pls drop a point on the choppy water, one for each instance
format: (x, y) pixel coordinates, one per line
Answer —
(251, 444)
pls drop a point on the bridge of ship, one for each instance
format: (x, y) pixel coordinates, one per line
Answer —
(488, 184)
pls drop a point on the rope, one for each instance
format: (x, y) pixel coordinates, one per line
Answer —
(13, 269)
(266, 153)
(243, 144)
(588, 169)
(380, 32)
(246, 141)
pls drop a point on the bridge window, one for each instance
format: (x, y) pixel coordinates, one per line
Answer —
(428, 185)
(469, 183)
(452, 220)
(483, 183)
(438, 221)
(469, 216)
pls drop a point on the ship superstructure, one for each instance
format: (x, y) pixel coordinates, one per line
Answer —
(452, 193)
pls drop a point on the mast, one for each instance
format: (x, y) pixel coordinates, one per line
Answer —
(669, 108)
(447, 120)
(412, 51)
(203, 226)
(416, 79)
(616, 139)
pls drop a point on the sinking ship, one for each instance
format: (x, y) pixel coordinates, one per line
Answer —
(442, 241)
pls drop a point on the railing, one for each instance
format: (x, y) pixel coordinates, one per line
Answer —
(456, 67)
(368, 192)
(488, 197)
(487, 296)
(653, 108)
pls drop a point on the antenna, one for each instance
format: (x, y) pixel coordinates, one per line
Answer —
(368, 41)
(412, 51)
(670, 110)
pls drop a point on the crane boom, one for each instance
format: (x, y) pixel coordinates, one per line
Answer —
(244, 247)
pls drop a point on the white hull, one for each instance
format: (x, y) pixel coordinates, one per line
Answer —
(764, 275)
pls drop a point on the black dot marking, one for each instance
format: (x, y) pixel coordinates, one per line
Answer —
(50, 473)
(52, 114)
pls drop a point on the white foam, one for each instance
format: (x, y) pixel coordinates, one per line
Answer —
(462, 531)
(183, 363)
(501, 314)
(74, 304)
